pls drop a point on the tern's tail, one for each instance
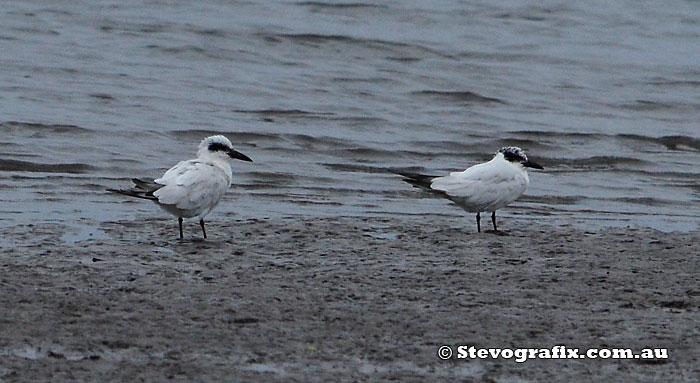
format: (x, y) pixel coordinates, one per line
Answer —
(417, 180)
(142, 189)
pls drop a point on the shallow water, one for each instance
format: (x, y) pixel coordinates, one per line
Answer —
(326, 96)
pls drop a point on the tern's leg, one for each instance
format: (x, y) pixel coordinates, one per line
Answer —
(478, 222)
(201, 223)
(179, 220)
(493, 219)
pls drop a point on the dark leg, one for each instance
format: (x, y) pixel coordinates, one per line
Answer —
(201, 223)
(493, 219)
(179, 220)
(478, 222)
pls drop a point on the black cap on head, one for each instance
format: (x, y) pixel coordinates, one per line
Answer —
(516, 155)
(513, 154)
(218, 146)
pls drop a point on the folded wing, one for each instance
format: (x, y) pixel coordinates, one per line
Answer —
(476, 190)
(192, 185)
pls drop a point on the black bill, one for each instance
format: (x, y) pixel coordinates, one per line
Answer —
(534, 165)
(238, 155)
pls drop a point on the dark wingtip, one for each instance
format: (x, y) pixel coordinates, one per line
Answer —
(415, 179)
(134, 192)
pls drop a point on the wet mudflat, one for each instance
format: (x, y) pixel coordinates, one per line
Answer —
(343, 299)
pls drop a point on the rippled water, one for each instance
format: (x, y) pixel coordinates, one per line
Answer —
(325, 96)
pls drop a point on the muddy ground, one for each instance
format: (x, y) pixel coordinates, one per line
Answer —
(342, 299)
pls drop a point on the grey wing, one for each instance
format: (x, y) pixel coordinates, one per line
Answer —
(192, 185)
(176, 171)
(481, 194)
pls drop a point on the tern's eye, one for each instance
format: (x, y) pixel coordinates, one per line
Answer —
(514, 157)
(218, 146)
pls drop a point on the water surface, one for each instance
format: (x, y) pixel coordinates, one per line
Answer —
(325, 96)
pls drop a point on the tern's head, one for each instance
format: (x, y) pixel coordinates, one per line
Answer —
(219, 147)
(515, 155)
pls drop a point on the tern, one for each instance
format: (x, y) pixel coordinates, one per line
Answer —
(194, 187)
(484, 187)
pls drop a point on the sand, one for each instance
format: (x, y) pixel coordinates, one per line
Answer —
(342, 299)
